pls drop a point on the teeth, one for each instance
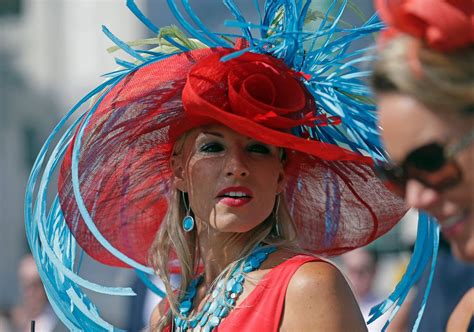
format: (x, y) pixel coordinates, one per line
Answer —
(235, 194)
(452, 221)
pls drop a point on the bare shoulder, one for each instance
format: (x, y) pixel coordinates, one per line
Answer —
(314, 273)
(319, 298)
(462, 313)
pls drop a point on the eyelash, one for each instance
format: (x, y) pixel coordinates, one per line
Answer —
(258, 148)
(217, 147)
(211, 147)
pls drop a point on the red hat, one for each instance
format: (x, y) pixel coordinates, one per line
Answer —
(444, 25)
(333, 196)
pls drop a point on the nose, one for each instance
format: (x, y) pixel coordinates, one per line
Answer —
(236, 165)
(419, 196)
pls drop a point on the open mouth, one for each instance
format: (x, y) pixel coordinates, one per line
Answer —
(453, 224)
(235, 196)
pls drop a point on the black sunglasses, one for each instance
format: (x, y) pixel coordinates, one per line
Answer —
(431, 164)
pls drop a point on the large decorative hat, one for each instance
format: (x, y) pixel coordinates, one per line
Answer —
(123, 168)
(296, 89)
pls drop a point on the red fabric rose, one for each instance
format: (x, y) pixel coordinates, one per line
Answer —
(257, 87)
(260, 92)
(444, 25)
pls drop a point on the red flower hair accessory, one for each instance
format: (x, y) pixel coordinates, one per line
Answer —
(444, 25)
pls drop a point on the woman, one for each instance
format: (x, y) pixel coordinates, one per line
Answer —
(424, 80)
(234, 185)
(425, 89)
(223, 164)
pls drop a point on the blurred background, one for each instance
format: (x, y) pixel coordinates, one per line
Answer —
(52, 52)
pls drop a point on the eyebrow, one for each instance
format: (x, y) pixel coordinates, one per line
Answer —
(213, 133)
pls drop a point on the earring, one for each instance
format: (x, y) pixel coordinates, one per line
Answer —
(275, 213)
(188, 220)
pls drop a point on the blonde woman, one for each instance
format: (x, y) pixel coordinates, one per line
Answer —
(425, 94)
(424, 80)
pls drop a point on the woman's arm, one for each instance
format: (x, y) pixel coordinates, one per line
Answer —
(318, 298)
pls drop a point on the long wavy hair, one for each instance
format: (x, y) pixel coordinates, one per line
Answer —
(172, 245)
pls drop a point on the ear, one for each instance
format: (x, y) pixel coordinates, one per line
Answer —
(179, 180)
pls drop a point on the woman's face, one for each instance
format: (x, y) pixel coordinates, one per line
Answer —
(407, 124)
(232, 180)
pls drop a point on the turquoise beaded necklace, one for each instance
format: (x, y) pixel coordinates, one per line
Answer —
(222, 298)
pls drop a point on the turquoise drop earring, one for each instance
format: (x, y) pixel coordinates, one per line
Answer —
(188, 220)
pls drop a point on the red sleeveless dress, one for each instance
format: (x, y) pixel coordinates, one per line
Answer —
(262, 309)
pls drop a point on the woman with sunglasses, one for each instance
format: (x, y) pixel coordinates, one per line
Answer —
(424, 81)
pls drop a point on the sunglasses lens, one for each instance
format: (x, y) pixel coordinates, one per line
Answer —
(445, 177)
(428, 158)
(428, 165)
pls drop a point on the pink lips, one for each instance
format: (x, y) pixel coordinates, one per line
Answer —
(235, 201)
(454, 230)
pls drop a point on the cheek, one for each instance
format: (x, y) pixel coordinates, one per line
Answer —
(466, 162)
(268, 183)
(201, 169)
(202, 191)
(467, 165)
(386, 130)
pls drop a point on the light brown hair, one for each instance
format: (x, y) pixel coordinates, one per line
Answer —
(172, 242)
(441, 81)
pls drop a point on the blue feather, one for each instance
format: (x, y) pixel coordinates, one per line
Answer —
(136, 11)
(51, 242)
(188, 27)
(122, 44)
(207, 33)
(426, 247)
(80, 202)
(149, 284)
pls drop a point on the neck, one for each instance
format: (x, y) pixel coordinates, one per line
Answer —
(217, 249)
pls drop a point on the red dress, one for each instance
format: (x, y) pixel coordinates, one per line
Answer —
(261, 310)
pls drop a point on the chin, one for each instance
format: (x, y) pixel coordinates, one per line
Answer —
(464, 251)
(238, 220)
(239, 228)
(235, 225)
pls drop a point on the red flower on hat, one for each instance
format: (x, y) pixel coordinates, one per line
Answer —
(257, 87)
(444, 25)
(258, 91)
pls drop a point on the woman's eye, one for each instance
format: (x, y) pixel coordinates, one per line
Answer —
(259, 148)
(211, 147)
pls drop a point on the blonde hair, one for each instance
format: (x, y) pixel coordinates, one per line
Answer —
(172, 242)
(441, 81)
